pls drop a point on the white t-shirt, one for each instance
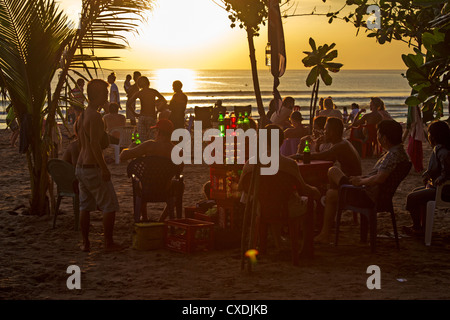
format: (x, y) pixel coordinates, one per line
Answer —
(112, 97)
(331, 113)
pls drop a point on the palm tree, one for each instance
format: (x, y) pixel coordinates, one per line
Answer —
(250, 14)
(320, 61)
(36, 41)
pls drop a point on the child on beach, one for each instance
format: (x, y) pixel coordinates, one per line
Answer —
(438, 172)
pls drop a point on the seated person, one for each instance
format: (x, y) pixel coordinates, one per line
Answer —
(162, 146)
(293, 135)
(348, 158)
(281, 116)
(330, 109)
(72, 152)
(73, 149)
(376, 114)
(297, 130)
(286, 165)
(114, 120)
(438, 172)
(390, 138)
(353, 113)
(317, 138)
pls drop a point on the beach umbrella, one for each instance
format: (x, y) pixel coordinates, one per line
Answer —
(277, 48)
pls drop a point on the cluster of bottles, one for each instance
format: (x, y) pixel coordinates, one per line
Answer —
(232, 121)
(135, 138)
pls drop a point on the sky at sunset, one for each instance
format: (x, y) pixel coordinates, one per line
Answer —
(196, 34)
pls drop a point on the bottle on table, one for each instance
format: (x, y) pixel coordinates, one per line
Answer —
(246, 122)
(221, 125)
(306, 153)
(137, 141)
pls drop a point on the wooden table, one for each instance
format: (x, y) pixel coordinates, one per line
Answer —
(315, 174)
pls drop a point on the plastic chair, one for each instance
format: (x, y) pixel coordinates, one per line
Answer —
(156, 179)
(242, 110)
(370, 143)
(204, 114)
(355, 199)
(216, 111)
(431, 207)
(124, 140)
(63, 173)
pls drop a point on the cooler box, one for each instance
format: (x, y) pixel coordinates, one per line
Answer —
(148, 236)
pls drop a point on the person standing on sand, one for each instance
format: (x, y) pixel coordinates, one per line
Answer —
(114, 120)
(76, 94)
(149, 103)
(114, 95)
(132, 90)
(96, 188)
(177, 105)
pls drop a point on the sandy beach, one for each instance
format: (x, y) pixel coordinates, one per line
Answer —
(34, 257)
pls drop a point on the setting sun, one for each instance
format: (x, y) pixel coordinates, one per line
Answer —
(163, 79)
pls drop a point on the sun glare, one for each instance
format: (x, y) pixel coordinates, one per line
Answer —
(183, 25)
(163, 79)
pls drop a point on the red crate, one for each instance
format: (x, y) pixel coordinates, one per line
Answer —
(204, 217)
(189, 235)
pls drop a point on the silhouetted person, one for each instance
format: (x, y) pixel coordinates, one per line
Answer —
(96, 188)
(131, 107)
(177, 105)
(150, 100)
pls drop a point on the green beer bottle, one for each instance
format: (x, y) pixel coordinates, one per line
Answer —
(306, 153)
(138, 141)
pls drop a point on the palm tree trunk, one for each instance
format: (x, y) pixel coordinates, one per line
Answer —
(39, 181)
(316, 96)
(311, 114)
(259, 103)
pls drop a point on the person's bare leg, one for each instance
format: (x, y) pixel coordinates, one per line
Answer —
(14, 136)
(85, 222)
(108, 227)
(335, 175)
(329, 216)
(144, 216)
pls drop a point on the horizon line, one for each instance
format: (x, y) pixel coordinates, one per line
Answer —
(231, 69)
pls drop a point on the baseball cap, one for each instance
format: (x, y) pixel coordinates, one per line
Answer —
(164, 125)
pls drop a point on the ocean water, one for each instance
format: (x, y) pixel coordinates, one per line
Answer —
(235, 88)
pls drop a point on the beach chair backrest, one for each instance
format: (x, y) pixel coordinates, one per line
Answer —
(243, 109)
(151, 177)
(388, 188)
(204, 114)
(63, 173)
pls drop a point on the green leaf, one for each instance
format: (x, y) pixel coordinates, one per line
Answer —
(429, 39)
(312, 43)
(326, 78)
(333, 66)
(412, 101)
(312, 76)
(330, 56)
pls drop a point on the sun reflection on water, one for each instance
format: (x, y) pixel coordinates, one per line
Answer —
(162, 79)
